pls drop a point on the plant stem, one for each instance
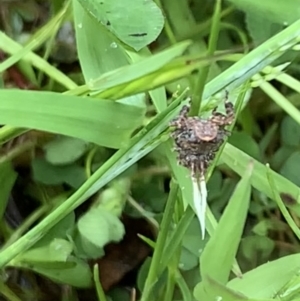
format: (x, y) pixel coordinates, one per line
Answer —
(212, 45)
(159, 247)
(99, 289)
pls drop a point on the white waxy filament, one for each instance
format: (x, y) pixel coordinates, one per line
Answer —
(200, 201)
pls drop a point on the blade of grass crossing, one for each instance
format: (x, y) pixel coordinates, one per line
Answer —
(281, 205)
(159, 246)
(100, 293)
(227, 234)
(212, 45)
(238, 162)
(144, 142)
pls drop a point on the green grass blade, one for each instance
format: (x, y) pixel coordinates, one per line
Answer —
(9, 132)
(280, 100)
(143, 143)
(38, 39)
(12, 47)
(99, 289)
(103, 122)
(284, 211)
(212, 46)
(159, 246)
(254, 61)
(263, 281)
(238, 161)
(139, 69)
(227, 234)
(221, 291)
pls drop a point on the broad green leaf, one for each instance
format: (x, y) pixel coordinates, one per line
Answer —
(100, 55)
(126, 19)
(192, 246)
(238, 161)
(48, 174)
(263, 281)
(280, 156)
(255, 244)
(57, 250)
(58, 231)
(141, 144)
(114, 197)
(119, 293)
(255, 21)
(100, 227)
(103, 122)
(245, 143)
(227, 234)
(7, 180)
(78, 276)
(290, 132)
(281, 11)
(291, 167)
(269, 15)
(96, 55)
(85, 249)
(64, 150)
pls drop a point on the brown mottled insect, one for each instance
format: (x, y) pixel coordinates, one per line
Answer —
(198, 139)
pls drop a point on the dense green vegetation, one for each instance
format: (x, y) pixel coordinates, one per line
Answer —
(93, 203)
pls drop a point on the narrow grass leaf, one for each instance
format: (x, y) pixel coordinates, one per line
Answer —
(254, 61)
(152, 277)
(143, 143)
(10, 46)
(8, 133)
(102, 122)
(126, 19)
(232, 78)
(221, 292)
(280, 100)
(281, 205)
(158, 95)
(227, 234)
(99, 289)
(238, 161)
(263, 281)
(37, 40)
(138, 69)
